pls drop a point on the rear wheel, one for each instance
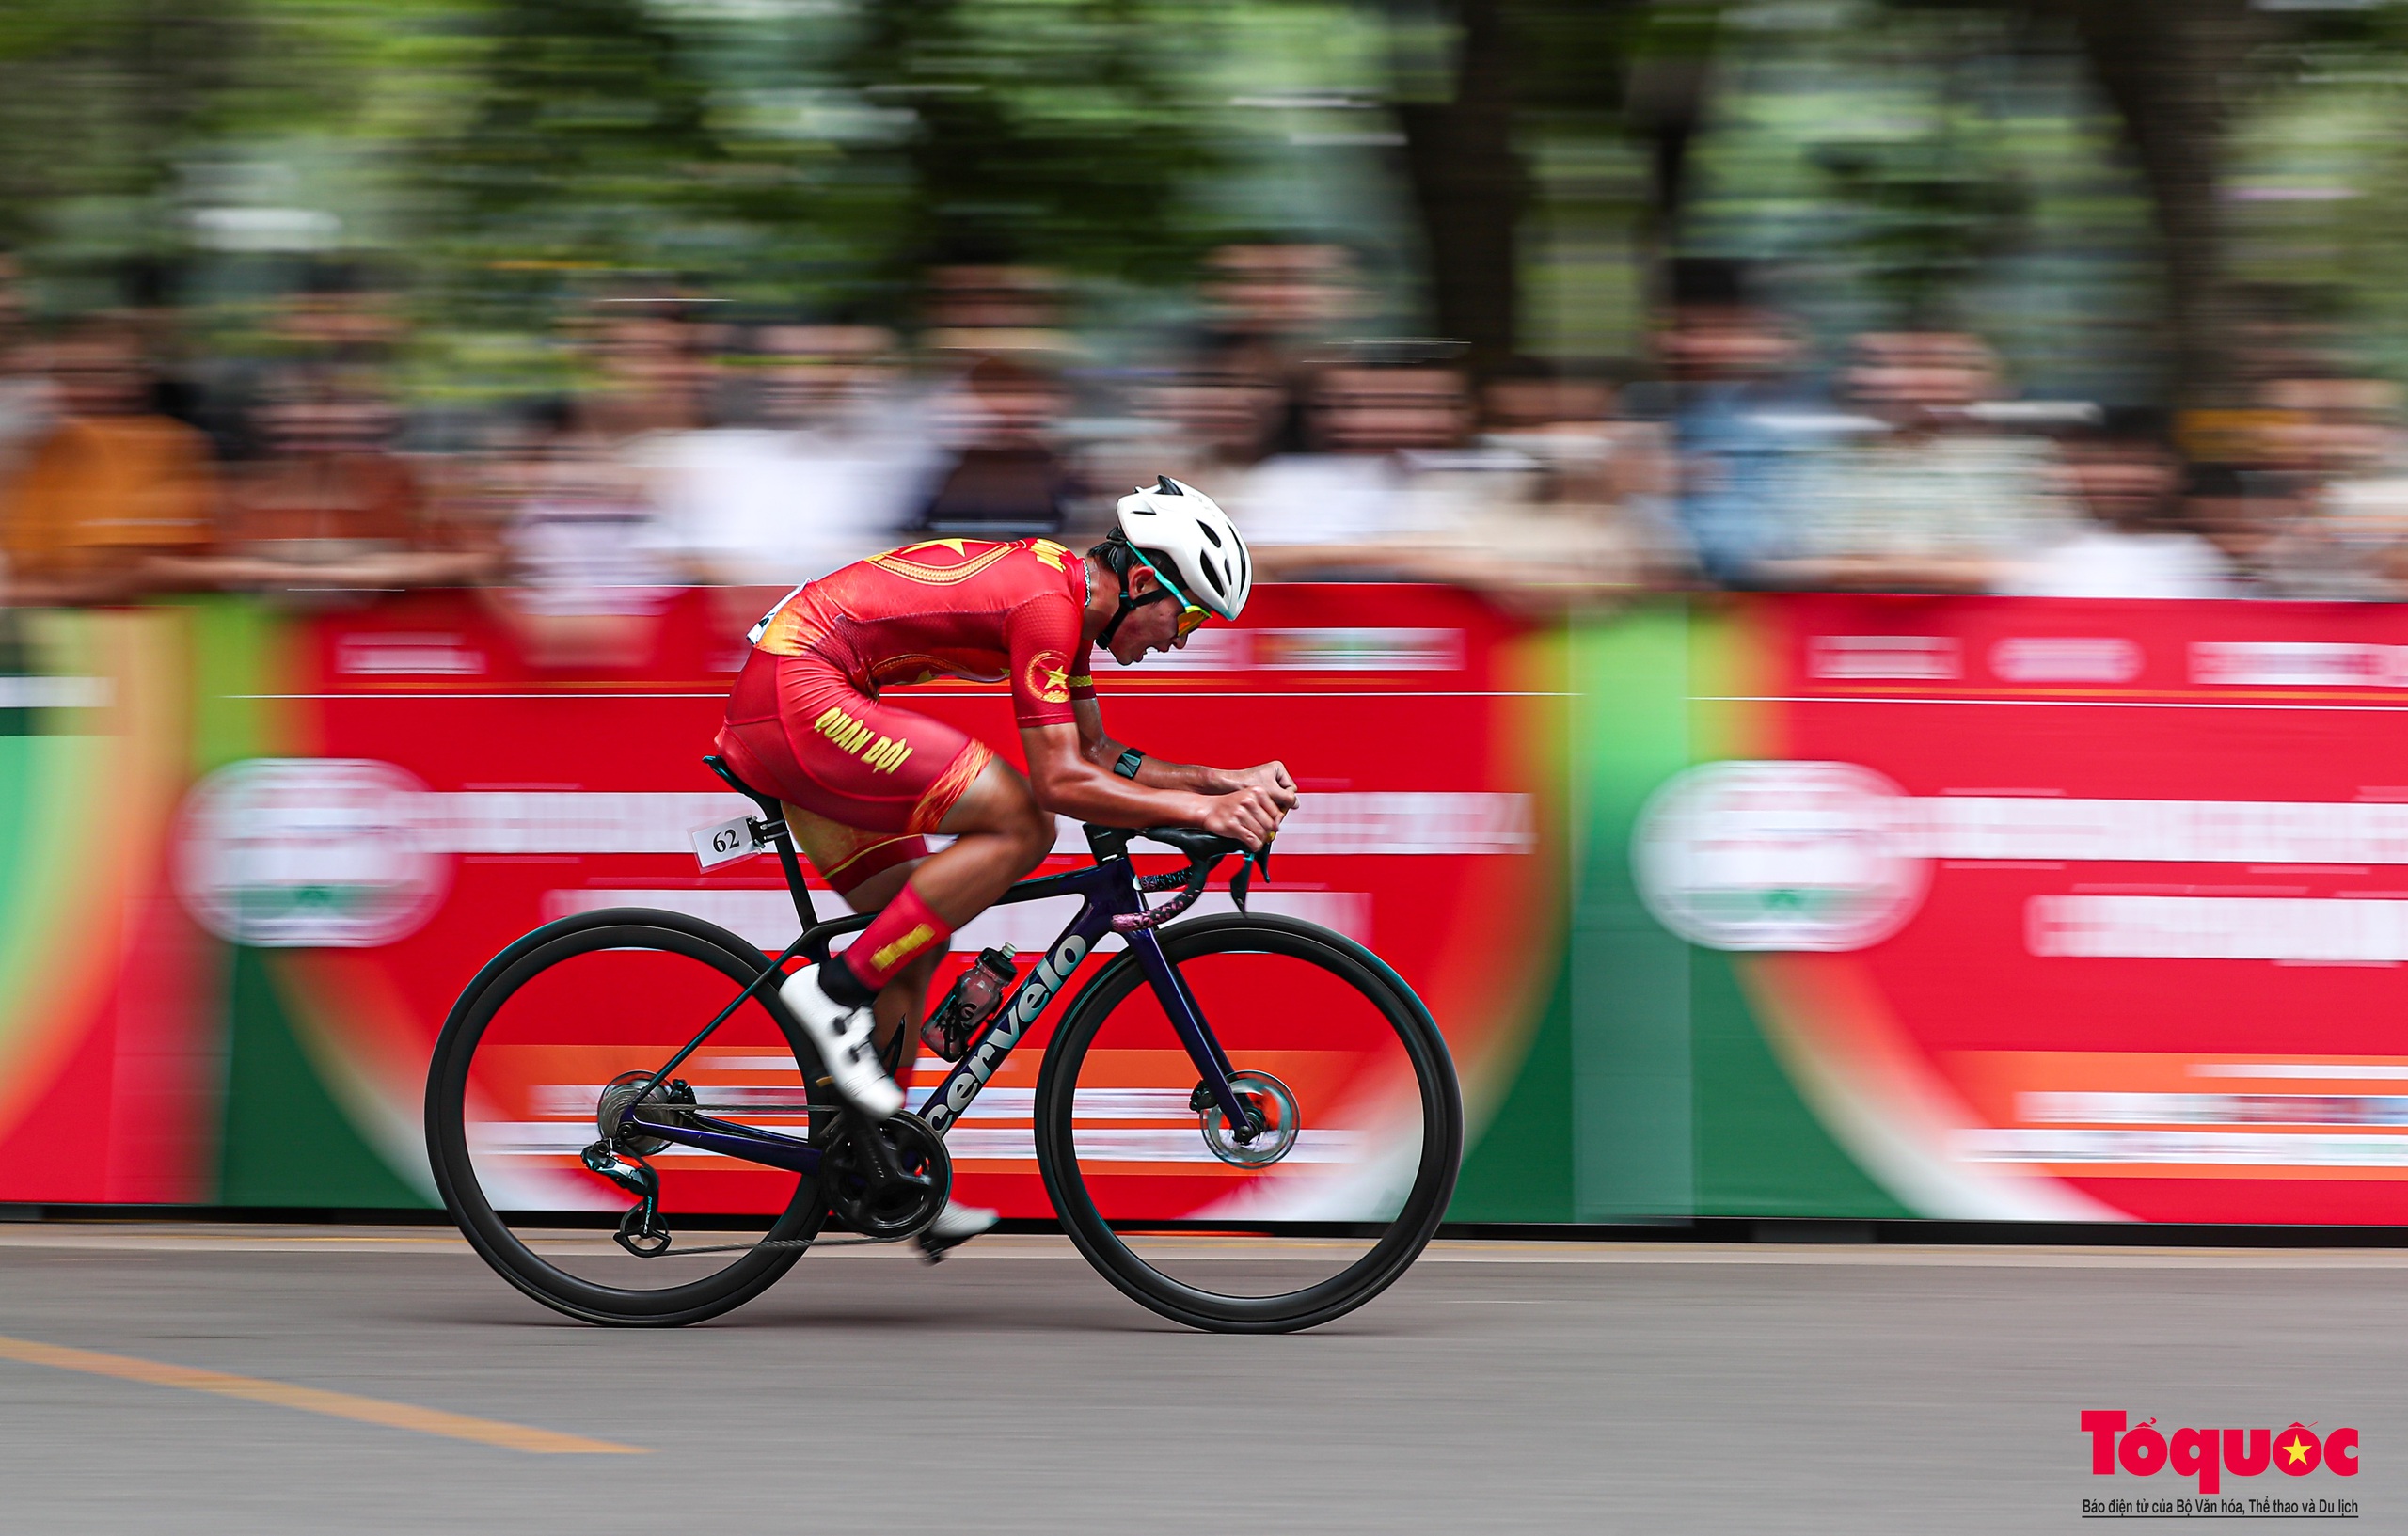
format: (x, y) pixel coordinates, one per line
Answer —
(1307, 1220)
(569, 1016)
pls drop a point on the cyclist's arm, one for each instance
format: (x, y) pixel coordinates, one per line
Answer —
(1098, 746)
(1068, 782)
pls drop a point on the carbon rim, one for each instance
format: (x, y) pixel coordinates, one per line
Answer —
(456, 1170)
(1397, 1240)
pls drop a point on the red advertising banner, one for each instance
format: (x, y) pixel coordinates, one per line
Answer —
(2072, 910)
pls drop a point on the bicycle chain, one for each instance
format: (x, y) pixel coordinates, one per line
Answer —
(777, 1245)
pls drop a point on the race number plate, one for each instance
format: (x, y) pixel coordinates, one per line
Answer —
(724, 843)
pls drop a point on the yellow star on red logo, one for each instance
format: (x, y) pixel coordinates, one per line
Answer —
(2297, 1450)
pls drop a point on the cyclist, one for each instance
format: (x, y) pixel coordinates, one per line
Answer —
(864, 782)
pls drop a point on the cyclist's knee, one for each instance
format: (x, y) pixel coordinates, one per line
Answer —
(1032, 835)
(1000, 804)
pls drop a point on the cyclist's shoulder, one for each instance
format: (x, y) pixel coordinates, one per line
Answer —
(986, 573)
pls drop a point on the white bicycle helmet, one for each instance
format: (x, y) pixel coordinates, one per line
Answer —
(1191, 542)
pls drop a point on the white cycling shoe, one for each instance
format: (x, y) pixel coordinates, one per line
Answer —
(843, 1036)
(956, 1225)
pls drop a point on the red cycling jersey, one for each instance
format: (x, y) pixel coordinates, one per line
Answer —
(866, 779)
(948, 608)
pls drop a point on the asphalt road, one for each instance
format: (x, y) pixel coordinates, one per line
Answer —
(1506, 1387)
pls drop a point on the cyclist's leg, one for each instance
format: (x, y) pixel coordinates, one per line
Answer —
(1000, 836)
(868, 869)
(797, 725)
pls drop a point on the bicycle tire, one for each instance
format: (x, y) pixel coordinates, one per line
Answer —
(455, 1173)
(1407, 1234)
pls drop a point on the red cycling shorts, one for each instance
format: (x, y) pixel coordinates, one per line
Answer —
(870, 779)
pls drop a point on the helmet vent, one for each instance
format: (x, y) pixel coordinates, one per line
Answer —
(1206, 529)
(1165, 485)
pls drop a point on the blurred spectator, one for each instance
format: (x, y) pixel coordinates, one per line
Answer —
(1570, 509)
(331, 506)
(1286, 293)
(650, 371)
(1272, 307)
(1007, 481)
(2127, 479)
(341, 313)
(2336, 443)
(1216, 423)
(110, 500)
(1383, 472)
(2243, 513)
(1736, 417)
(592, 561)
(842, 458)
(1933, 502)
(995, 311)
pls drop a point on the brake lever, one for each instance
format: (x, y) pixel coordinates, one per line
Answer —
(1247, 864)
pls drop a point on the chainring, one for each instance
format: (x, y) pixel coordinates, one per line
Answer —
(887, 1209)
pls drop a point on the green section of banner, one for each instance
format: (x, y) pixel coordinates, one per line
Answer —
(286, 1141)
(239, 650)
(1648, 1092)
(284, 1138)
(1521, 1169)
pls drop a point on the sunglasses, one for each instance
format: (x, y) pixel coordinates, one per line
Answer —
(1191, 617)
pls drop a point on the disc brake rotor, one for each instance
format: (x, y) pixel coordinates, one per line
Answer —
(1274, 1107)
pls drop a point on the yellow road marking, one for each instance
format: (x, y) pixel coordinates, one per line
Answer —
(311, 1399)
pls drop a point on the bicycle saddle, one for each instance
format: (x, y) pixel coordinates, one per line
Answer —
(770, 809)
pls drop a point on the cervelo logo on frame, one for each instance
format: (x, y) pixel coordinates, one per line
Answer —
(2145, 1451)
(964, 1083)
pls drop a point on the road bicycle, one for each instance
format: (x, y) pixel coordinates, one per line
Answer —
(1244, 1121)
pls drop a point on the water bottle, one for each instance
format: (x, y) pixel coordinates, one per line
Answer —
(974, 997)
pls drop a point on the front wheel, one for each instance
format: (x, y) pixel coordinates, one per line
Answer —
(1318, 1210)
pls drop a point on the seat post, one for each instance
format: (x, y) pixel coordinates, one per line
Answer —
(773, 826)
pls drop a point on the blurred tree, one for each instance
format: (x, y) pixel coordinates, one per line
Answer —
(99, 101)
(2178, 70)
(1051, 132)
(1486, 77)
(1930, 209)
(1470, 186)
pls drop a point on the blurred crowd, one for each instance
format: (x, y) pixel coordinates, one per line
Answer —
(701, 445)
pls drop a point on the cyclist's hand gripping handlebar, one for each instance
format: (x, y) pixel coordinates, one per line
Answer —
(1204, 852)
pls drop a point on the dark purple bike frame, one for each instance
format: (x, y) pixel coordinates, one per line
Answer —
(1110, 890)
